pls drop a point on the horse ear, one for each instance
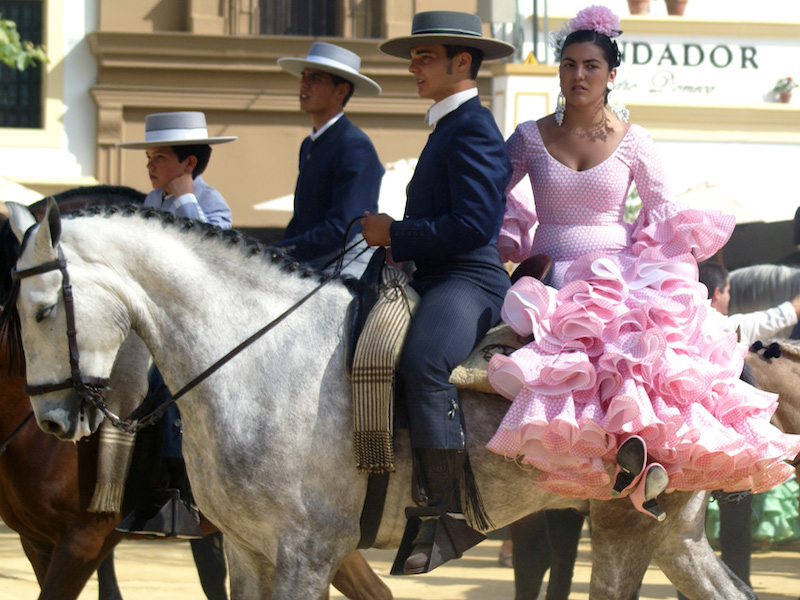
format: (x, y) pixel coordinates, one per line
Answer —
(49, 232)
(53, 217)
(20, 218)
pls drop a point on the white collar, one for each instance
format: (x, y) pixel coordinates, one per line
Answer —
(324, 128)
(448, 105)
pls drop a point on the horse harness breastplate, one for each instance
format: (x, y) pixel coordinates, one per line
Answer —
(88, 388)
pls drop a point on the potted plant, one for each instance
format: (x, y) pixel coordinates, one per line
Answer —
(639, 7)
(784, 89)
(676, 7)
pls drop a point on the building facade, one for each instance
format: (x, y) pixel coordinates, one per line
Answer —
(700, 83)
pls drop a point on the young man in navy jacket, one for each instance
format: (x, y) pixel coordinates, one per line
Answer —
(454, 209)
(340, 174)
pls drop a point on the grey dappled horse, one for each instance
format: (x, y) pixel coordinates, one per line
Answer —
(268, 436)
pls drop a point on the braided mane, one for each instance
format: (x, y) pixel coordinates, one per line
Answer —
(204, 231)
(249, 248)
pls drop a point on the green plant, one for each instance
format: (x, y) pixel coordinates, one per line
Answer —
(786, 84)
(633, 205)
(17, 53)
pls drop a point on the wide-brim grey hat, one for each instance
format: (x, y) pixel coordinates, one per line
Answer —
(184, 128)
(333, 59)
(447, 27)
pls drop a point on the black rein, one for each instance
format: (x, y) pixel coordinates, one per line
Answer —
(92, 389)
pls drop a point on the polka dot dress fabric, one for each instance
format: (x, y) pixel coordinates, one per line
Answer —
(625, 341)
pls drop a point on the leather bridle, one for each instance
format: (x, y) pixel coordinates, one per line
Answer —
(91, 389)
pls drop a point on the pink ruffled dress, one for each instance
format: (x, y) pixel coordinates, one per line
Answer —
(625, 340)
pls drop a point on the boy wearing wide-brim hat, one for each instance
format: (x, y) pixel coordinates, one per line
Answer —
(454, 209)
(339, 170)
(178, 149)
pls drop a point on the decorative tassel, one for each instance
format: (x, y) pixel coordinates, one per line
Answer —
(473, 506)
(107, 498)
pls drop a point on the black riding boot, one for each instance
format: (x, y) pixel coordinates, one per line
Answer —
(447, 535)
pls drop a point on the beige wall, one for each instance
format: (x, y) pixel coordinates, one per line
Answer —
(143, 15)
(235, 80)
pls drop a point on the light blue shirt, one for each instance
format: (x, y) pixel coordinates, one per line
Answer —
(205, 204)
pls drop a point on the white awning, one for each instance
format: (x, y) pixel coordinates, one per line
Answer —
(391, 200)
(14, 192)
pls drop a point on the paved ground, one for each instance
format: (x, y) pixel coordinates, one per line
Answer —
(164, 571)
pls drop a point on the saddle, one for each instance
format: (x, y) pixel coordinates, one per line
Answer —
(379, 317)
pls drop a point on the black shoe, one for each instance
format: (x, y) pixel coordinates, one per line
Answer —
(654, 481)
(631, 459)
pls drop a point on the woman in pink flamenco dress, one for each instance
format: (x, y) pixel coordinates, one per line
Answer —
(630, 369)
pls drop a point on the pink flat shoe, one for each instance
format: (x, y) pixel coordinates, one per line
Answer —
(631, 459)
(654, 480)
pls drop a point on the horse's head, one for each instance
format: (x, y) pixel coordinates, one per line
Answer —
(69, 347)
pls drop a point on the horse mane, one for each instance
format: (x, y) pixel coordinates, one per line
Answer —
(759, 287)
(68, 200)
(107, 194)
(249, 247)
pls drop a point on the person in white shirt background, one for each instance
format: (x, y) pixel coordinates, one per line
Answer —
(751, 326)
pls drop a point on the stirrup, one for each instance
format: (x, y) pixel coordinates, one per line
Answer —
(172, 519)
(451, 539)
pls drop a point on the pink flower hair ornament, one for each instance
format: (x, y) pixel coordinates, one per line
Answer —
(597, 18)
(592, 18)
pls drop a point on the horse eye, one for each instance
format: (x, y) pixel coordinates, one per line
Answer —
(44, 313)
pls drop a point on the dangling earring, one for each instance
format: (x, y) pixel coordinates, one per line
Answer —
(615, 106)
(561, 106)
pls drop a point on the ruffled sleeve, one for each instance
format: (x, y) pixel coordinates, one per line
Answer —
(516, 234)
(672, 228)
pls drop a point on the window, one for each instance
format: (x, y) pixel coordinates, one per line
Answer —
(21, 92)
(314, 18)
(322, 18)
(367, 18)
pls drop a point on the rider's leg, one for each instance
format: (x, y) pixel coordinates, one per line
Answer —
(449, 321)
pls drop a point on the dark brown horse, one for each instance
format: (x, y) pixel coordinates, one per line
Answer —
(45, 490)
(46, 485)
